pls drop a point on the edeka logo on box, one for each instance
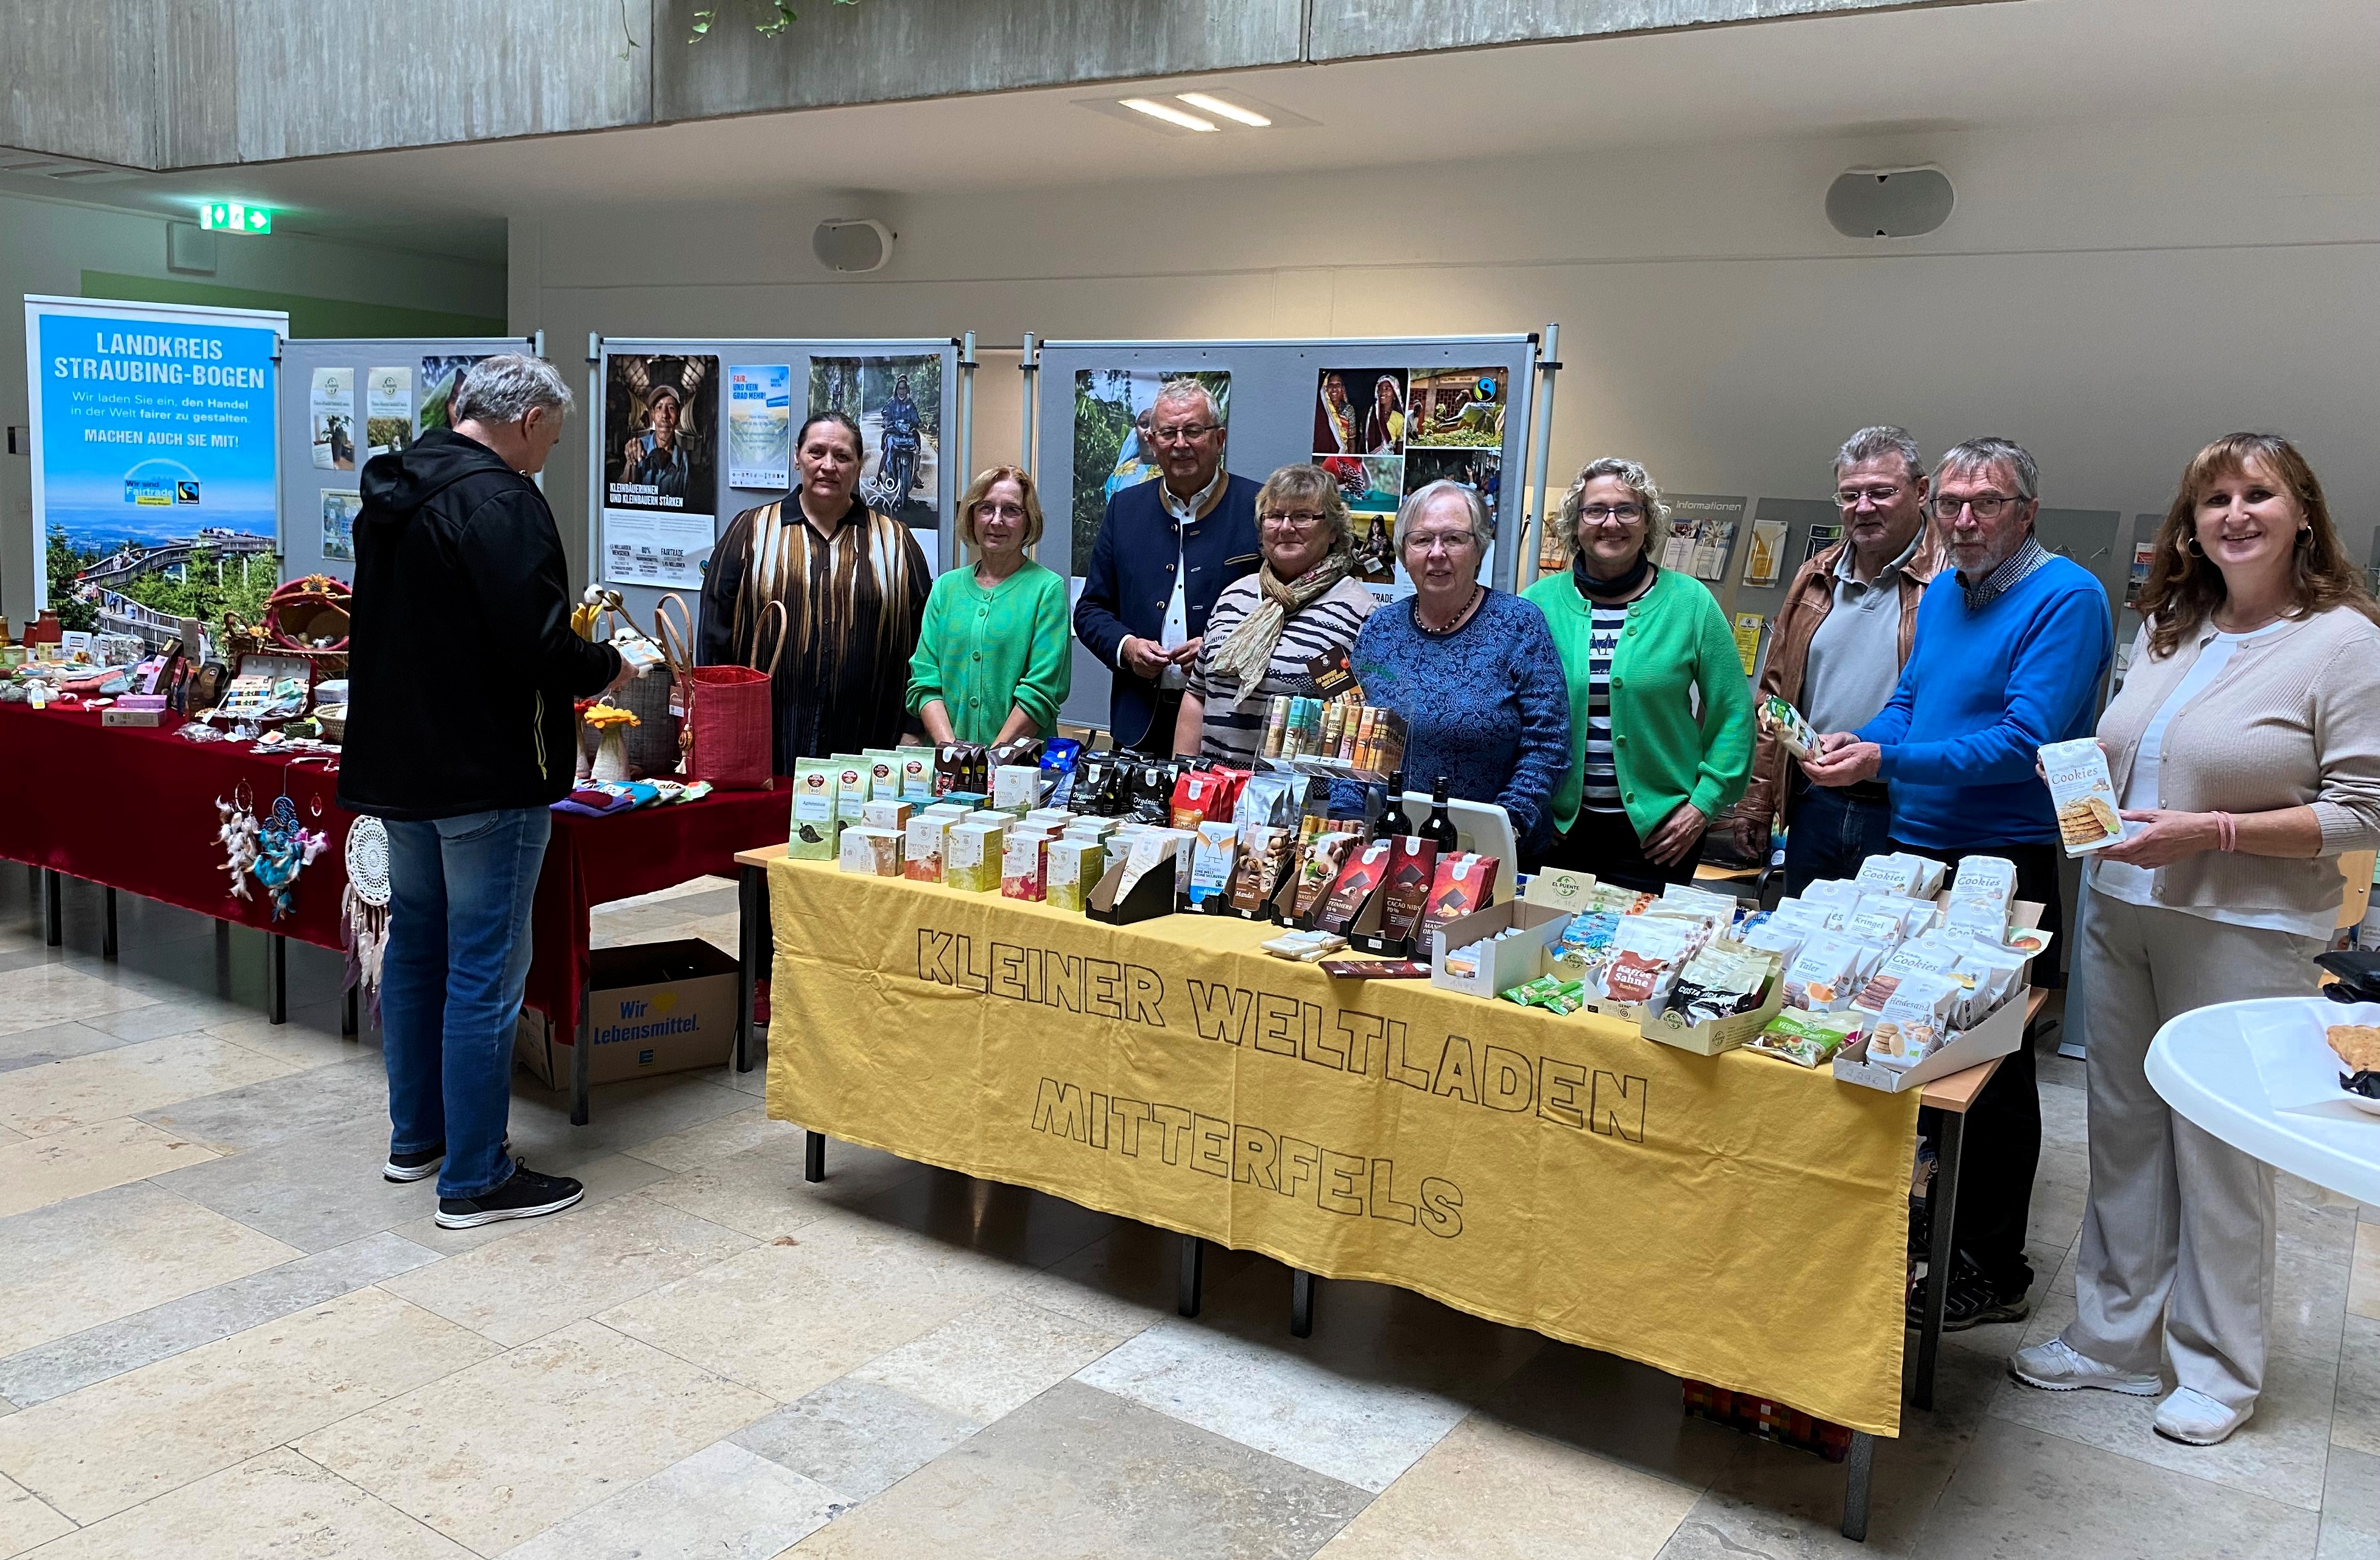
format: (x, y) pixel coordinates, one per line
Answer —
(654, 1019)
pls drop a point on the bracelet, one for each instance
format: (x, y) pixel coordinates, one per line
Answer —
(2226, 831)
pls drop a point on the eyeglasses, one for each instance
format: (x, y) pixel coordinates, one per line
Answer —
(1611, 514)
(1183, 433)
(989, 511)
(1848, 498)
(1987, 506)
(1448, 542)
(1294, 519)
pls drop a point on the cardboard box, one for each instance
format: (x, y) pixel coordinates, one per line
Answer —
(1558, 889)
(1508, 963)
(112, 717)
(662, 1007)
(1711, 1036)
(1997, 1035)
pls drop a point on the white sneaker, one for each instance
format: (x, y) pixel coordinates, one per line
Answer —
(2054, 1367)
(2195, 1419)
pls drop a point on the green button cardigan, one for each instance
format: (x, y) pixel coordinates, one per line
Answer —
(982, 652)
(1677, 641)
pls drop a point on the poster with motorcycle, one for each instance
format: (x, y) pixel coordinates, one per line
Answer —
(898, 403)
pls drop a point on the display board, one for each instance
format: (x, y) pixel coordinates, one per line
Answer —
(690, 432)
(153, 429)
(1385, 415)
(350, 401)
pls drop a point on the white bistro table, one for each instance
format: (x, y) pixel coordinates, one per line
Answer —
(2202, 1064)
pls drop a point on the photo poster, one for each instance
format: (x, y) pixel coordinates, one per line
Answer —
(661, 467)
(1387, 433)
(442, 375)
(154, 441)
(761, 425)
(388, 409)
(340, 507)
(1821, 537)
(1112, 408)
(330, 406)
(897, 400)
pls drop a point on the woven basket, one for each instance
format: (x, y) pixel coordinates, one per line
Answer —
(652, 743)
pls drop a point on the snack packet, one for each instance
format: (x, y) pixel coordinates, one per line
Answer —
(1211, 857)
(1263, 848)
(1992, 878)
(1792, 732)
(1317, 868)
(1806, 1039)
(2082, 794)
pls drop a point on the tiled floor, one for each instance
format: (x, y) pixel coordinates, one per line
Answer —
(222, 1333)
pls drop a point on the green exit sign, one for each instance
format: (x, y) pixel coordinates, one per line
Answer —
(231, 216)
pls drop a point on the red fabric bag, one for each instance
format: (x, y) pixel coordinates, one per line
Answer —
(730, 720)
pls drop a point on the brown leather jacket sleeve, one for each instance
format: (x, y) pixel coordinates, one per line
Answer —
(1780, 675)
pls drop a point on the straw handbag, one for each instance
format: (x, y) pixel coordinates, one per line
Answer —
(731, 719)
(656, 698)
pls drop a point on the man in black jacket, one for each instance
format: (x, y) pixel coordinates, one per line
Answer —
(462, 669)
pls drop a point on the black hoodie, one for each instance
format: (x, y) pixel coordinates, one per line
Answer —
(462, 663)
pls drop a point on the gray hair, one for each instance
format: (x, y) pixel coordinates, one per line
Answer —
(1993, 451)
(1180, 390)
(1632, 477)
(506, 388)
(1306, 483)
(1418, 503)
(1874, 443)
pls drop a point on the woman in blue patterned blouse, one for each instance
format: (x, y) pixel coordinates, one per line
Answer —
(1473, 670)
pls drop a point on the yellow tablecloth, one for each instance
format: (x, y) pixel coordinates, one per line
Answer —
(1731, 1218)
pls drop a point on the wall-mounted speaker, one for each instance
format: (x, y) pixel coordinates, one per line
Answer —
(1889, 203)
(852, 244)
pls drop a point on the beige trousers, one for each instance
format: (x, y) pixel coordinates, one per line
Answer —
(2178, 1239)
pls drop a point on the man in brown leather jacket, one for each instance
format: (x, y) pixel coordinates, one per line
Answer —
(1835, 653)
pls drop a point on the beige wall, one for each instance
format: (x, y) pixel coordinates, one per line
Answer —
(2111, 293)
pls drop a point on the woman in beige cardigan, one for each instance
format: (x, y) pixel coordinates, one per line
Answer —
(2246, 747)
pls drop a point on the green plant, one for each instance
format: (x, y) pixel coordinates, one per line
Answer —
(773, 17)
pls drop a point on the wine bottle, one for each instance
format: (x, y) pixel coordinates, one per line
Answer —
(1437, 827)
(1393, 821)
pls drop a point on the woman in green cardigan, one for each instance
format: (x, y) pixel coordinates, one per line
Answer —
(1660, 712)
(994, 659)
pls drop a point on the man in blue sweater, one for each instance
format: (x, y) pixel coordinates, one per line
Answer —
(2011, 646)
(1166, 549)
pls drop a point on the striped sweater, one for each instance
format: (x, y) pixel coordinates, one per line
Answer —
(1234, 727)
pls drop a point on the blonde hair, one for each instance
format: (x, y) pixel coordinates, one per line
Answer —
(1633, 478)
(978, 490)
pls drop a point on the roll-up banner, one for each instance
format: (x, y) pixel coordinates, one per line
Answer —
(1385, 416)
(154, 454)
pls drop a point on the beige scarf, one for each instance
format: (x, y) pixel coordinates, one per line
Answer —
(1247, 653)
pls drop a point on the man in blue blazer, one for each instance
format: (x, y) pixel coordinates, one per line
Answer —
(1166, 549)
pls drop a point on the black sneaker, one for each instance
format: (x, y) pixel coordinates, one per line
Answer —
(1973, 1300)
(422, 1166)
(526, 1197)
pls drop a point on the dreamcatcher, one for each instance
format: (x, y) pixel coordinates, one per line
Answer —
(364, 909)
(239, 838)
(284, 847)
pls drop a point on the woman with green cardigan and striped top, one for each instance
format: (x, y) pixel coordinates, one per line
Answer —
(994, 658)
(1660, 712)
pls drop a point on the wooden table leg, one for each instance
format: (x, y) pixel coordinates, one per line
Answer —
(1859, 1472)
(276, 997)
(1300, 1304)
(107, 934)
(1941, 1216)
(751, 918)
(54, 918)
(813, 1156)
(1193, 1264)
(582, 1057)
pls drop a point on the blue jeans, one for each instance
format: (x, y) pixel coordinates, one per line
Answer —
(450, 994)
(1829, 833)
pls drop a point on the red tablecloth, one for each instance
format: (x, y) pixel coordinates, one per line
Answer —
(134, 808)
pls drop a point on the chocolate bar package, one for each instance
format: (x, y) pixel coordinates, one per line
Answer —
(1317, 867)
(1263, 848)
(1458, 885)
(1360, 876)
(1212, 853)
(1412, 860)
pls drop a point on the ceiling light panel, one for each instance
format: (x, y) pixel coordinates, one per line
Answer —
(1168, 114)
(1224, 109)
